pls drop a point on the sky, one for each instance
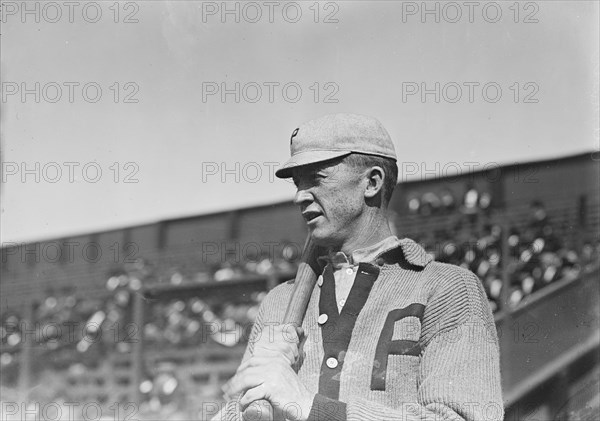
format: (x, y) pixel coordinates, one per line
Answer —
(113, 115)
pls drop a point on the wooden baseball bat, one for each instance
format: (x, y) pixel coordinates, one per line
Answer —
(304, 284)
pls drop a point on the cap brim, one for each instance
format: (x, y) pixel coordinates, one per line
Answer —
(306, 158)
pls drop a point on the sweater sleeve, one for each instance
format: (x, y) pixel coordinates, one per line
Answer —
(459, 374)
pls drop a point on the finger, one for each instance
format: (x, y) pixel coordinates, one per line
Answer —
(264, 361)
(280, 340)
(247, 379)
(270, 350)
(251, 395)
(289, 351)
(259, 410)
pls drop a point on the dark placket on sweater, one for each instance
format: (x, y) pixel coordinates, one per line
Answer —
(337, 329)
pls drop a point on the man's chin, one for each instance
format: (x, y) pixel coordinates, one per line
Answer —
(315, 236)
(321, 238)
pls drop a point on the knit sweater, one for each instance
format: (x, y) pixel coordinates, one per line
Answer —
(415, 340)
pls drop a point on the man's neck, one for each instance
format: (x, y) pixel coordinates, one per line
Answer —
(375, 228)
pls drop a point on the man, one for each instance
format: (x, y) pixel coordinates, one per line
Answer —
(388, 334)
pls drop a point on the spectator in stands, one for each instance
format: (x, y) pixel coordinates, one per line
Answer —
(391, 334)
(447, 199)
(470, 200)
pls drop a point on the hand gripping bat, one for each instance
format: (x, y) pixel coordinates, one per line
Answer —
(304, 284)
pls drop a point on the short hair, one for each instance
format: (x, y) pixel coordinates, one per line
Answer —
(390, 169)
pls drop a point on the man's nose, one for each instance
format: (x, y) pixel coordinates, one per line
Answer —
(302, 196)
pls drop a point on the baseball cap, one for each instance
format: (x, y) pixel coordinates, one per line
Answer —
(334, 136)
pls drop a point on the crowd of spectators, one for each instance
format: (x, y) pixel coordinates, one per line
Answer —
(444, 202)
(63, 322)
(73, 330)
(10, 334)
(536, 255)
(69, 329)
(196, 322)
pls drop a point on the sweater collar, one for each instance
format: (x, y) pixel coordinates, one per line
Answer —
(413, 253)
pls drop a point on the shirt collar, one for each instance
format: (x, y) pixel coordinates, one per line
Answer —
(413, 253)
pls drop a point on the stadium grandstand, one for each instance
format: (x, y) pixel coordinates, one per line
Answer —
(149, 321)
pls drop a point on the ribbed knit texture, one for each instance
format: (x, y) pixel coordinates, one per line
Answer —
(457, 374)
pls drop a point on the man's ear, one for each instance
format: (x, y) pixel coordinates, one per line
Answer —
(375, 178)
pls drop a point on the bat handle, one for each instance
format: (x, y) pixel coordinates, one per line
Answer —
(260, 410)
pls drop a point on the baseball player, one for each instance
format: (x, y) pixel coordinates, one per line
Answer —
(389, 334)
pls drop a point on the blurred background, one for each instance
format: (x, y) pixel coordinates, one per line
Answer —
(129, 285)
(167, 327)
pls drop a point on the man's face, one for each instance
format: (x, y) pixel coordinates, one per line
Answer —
(331, 199)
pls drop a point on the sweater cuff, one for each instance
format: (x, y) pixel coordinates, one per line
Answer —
(326, 409)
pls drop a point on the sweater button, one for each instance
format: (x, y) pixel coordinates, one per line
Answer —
(331, 362)
(380, 261)
(322, 318)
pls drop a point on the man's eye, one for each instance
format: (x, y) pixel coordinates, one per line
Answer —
(319, 178)
(310, 179)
